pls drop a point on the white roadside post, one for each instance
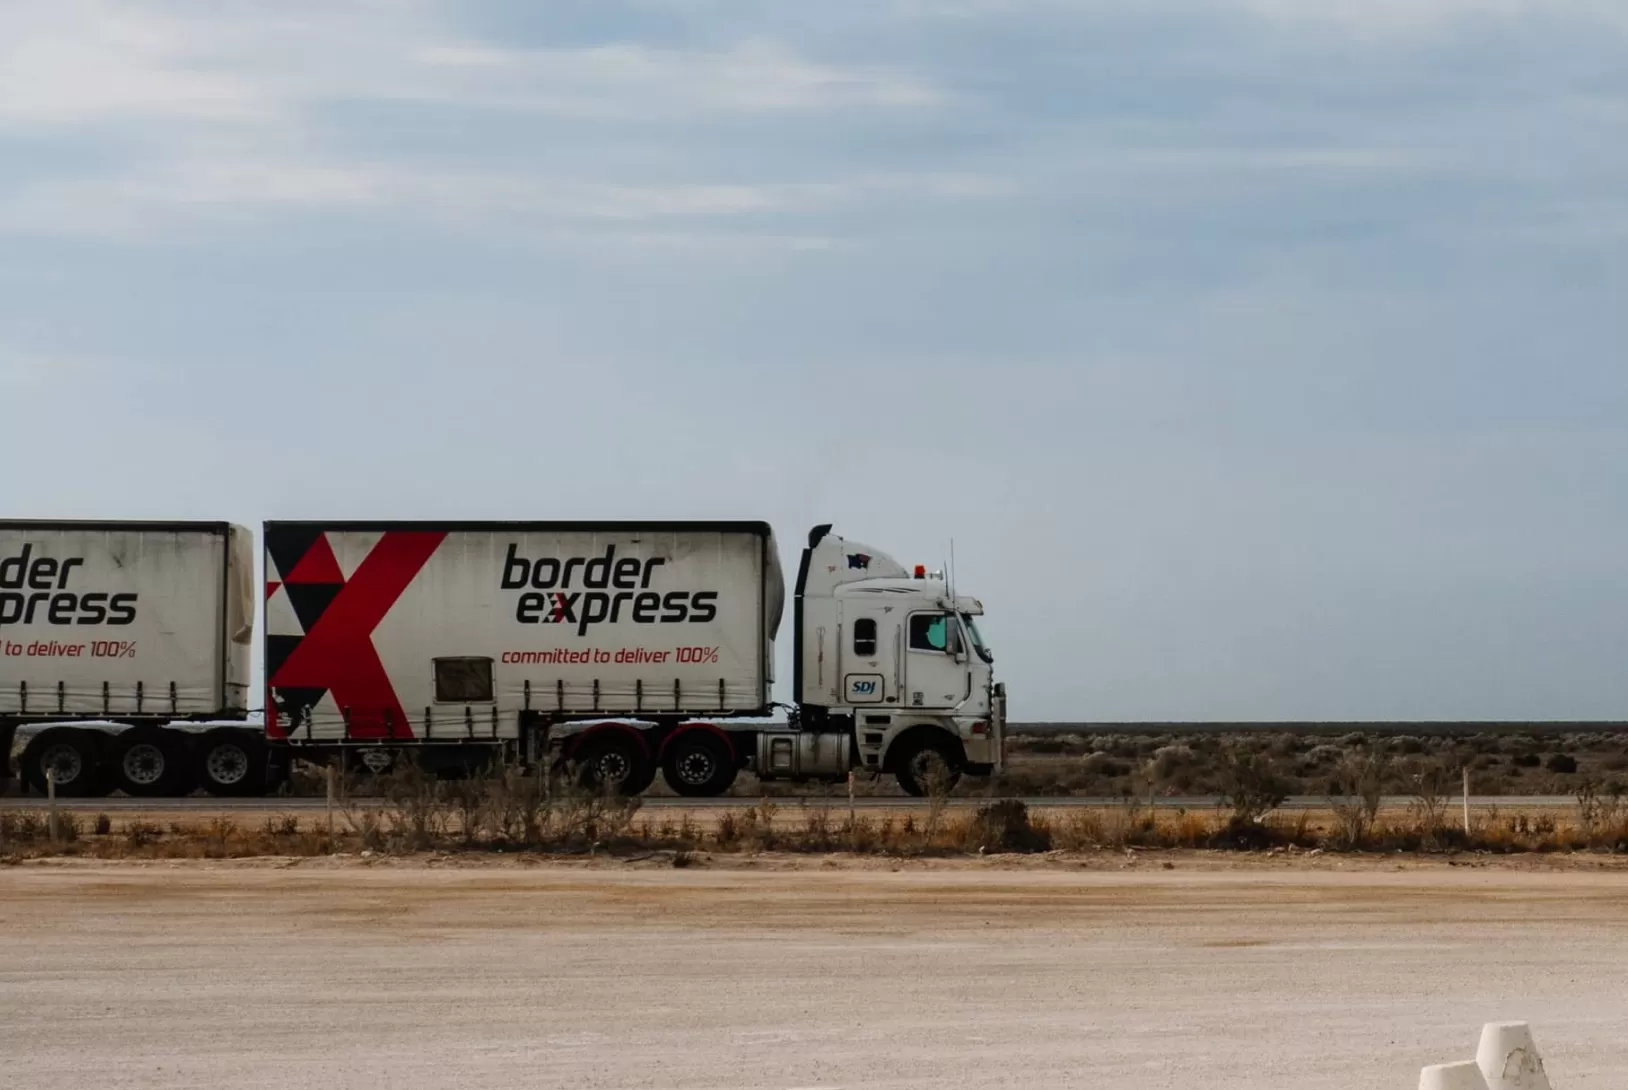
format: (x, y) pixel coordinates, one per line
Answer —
(332, 790)
(54, 822)
(1509, 1058)
(1459, 1076)
(1466, 800)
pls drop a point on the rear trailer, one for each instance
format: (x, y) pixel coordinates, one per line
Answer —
(473, 641)
(131, 626)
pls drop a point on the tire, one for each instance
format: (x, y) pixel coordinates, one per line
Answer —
(914, 766)
(75, 756)
(148, 762)
(613, 762)
(231, 764)
(698, 765)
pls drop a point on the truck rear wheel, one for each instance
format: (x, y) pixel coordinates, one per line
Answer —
(698, 764)
(613, 761)
(72, 755)
(147, 762)
(231, 763)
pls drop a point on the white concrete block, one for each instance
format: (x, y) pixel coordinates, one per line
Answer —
(1509, 1058)
(1459, 1076)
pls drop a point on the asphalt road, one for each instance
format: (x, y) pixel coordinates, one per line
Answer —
(284, 805)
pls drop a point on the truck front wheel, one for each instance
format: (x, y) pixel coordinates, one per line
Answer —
(927, 767)
(698, 764)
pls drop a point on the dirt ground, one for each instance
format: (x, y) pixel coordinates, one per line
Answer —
(782, 973)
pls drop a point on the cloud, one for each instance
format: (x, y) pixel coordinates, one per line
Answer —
(20, 368)
(1376, 17)
(78, 61)
(636, 80)
(82, 61)
(231, 113)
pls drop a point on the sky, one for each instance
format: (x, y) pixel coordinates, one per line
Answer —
(1263, 359)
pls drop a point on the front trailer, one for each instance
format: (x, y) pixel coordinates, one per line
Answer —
(624, 648)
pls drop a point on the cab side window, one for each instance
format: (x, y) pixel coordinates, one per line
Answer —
(934, 632)
(865, 638)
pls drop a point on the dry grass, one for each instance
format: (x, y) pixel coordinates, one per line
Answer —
(510, 812)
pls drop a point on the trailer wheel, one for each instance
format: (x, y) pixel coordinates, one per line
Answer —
(926, 765)
(698, 764)
(231, 763)
(613, 761)
(72, 755)
(146, 762)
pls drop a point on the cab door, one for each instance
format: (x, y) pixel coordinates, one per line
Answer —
(935, 670)
(870, 658)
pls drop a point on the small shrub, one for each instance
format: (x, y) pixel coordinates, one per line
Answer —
(1562, 763)
(1005, 826)
(1359, 786)
(139, 834)
(1103, 764)
(1168, 761)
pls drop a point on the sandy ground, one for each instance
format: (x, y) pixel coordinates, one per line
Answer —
(781, 974)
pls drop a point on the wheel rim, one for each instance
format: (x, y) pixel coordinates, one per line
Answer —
(612, 767)
(227, 764)
(927, 764)
(696, 767)
(64, 762)
(144, 764)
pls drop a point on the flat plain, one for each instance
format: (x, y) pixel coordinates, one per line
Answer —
(1147, 970)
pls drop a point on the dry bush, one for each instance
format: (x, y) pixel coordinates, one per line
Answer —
(817, 832)
(367, 825)
(139, 834)
(1006, 826)
(1359, 785)
(1080, 830)
(1253, 790)
(1430, 781)
(1602, 816)
(218, 837)
(418, 807)
(937, 782)
(516, 808)
(752, 831)
(583, 818)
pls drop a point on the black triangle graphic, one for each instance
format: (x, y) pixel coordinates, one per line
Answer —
(287, 546)
(294, 706)
(310, 600)
(278, 648)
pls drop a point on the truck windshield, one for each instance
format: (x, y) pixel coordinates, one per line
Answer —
(977, 638)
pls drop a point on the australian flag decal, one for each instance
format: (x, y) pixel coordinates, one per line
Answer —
(858, 560)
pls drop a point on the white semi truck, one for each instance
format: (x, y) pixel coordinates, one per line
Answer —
(624, 650)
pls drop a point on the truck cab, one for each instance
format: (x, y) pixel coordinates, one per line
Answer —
(892, 656)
